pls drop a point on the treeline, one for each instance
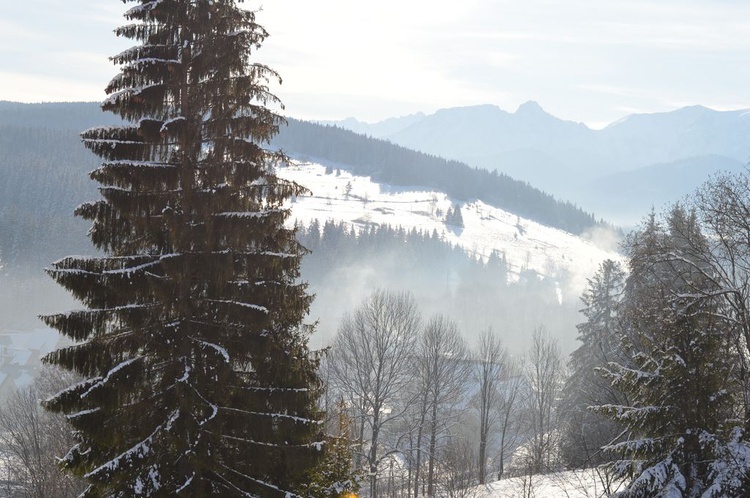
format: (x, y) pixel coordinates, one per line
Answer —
(44, 168)
(44, 174)
(75, 116)
(420, 254)
(396, 165)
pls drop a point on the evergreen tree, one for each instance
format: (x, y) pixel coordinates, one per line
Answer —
(585, 432)
(453, 217)
(333, 476)
(678, 373)
(198, 378)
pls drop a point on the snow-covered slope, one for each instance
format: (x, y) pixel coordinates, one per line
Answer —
(358, 201)
(571, 161)
(583, 483)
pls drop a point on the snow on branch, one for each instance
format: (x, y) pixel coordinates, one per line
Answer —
(288, 494)
(275, 389)
(666, 476)
(168, 123)
(132, 269)
(186, 373)
(137, 164)
(73, 388)
(274, 415)
(318, 445)
(111, 372)
(249, 214)
(139, 64)
(214, 407)
(238, 303)
(185, 484)
(82, 413)
(140, 9)
(630, 372)
(138, 451)
(222, 351)
(113, 98)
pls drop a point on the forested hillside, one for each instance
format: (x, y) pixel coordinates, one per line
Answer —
(396, 165)
(44, 179)
(45, 167)
(75, 116)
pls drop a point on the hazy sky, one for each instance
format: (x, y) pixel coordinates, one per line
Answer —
(593, 61)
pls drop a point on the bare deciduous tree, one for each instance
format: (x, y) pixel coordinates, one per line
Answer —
(544, 369)
(369, 364)
(32, 440)
(511, 399)
(444, 369)
(457, 469)
(489, 365)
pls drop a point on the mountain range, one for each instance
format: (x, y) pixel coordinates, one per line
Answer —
(619, 172)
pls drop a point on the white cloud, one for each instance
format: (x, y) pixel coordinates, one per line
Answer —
(585, 60)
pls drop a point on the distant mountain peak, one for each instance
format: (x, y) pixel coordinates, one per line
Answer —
(699, 107)
(530, 108)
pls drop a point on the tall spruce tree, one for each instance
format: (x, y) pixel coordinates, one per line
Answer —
(198, 378)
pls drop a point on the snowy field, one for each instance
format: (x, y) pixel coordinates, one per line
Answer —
(358, 201)
(587, 483)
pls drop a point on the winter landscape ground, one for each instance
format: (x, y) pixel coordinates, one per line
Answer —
(587, 483)
(359, 201)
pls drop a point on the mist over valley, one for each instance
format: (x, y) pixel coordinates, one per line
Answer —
(378, 213)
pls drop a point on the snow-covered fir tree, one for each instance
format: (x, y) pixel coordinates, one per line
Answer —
(197, 376)
(678, 375)
(334, 476)
(585, 432)
(453, 217)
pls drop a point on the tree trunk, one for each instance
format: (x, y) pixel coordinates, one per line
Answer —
(433, 443)
(373, 455)
(418, 463)
(482, 458)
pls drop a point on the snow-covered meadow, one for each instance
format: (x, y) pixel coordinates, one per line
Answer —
(340, 196)
(583, 483)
